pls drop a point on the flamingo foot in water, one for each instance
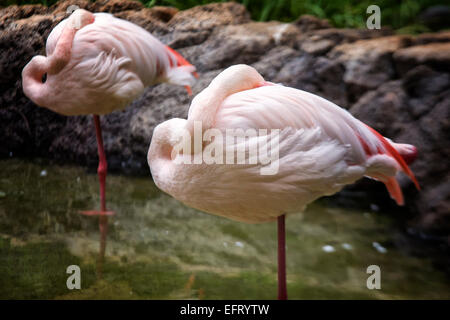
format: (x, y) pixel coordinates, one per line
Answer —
(97, 213)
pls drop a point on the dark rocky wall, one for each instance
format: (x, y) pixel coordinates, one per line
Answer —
(400, 85)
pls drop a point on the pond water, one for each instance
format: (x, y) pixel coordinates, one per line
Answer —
(157, 248)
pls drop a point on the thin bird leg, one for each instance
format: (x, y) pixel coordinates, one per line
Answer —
(103, 214)
(282, 291)
(103, 218)
(102, 164)
(101, 171)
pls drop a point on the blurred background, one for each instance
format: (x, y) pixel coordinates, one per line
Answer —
(407, 16)
(395, 79)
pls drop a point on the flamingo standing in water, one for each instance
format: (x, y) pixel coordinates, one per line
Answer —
(97, 64)
(321, 148)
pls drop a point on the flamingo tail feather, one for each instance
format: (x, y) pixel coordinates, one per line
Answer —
(394, 153)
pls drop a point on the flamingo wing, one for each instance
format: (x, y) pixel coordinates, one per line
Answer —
(279, 107)
(111, 62)
(151, 60)
(111, 74)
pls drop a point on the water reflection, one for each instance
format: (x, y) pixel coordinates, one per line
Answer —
(159, 249)
(103, 226)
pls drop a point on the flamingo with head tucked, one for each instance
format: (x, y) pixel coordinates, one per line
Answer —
(321, 148)
(97, 64)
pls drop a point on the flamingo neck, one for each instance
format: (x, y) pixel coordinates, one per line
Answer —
(33, 84)
(205, 105)
(61, 56)
(32, 80)
(160, 159)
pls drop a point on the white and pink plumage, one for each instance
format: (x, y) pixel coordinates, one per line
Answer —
(97, 64)
(322, 148)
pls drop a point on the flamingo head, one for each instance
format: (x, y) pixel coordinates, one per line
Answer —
(166, 136)
(34, 77)
(40, 68)
(80, 18)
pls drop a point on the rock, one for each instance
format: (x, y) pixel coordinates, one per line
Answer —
(194, 26)
(368, 63)
(443, 36)
(321, 41)
(328, 79)
(115, 6)
(433, 201)
(210, 16)
(273, 61)
(298, 72)
(61, 7)
(397, 84)
(385, 109)
(309, 23)
(14, 13)
(153, 20)
(245, 43)
(424, 87)
(436, 55)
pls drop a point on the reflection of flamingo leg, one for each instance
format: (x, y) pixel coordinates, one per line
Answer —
(101, 171)
(103, 214)
(103, 225)
(282, 291)
(102, 164)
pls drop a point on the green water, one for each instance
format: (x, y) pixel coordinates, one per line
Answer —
(158, 248)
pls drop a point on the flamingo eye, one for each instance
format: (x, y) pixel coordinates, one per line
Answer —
(44, 77)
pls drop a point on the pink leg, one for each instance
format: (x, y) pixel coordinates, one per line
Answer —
(102, 164)
(282, 291)
(103, 214)
(101, 171)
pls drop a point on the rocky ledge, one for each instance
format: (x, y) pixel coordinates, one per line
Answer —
(398, 84)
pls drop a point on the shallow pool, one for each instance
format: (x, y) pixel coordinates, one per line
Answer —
(157, 248)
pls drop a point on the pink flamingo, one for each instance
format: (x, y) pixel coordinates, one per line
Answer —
(97, 64)
(321, 148)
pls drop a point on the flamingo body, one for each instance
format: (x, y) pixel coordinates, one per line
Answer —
(96, 64)
(322, 148)
(104, 64)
